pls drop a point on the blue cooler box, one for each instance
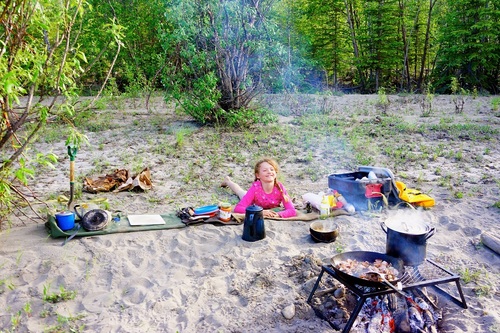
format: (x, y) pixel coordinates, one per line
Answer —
(363, 193)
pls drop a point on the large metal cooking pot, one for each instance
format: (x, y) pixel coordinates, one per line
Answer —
(361, 256)
(407, 241)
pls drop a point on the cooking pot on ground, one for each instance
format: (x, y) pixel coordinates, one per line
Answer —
(407, 240)
(324, 231)
(93, 220)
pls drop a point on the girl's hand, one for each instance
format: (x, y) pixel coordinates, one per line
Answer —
(270, 213)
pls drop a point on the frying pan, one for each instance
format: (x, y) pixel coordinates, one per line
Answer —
(370, 257)
(93, 220)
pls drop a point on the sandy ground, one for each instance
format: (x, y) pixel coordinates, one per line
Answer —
(205, 278)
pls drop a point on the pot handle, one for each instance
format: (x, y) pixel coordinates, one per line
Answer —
(82, 211)
(383, 226)
(430, 233)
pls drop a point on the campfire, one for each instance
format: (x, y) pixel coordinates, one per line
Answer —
(394, 313)
(352, 304)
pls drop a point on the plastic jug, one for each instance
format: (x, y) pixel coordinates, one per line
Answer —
(253, 227)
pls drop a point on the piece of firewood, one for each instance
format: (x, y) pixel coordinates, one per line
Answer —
(491, 241)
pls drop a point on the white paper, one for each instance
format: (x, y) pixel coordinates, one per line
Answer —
(145, 219)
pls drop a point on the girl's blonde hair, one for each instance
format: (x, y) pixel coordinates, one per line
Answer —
(276, 168)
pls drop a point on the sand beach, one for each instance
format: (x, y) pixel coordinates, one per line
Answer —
(205, 277)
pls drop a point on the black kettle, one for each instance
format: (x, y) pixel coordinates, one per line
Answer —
(253, 228)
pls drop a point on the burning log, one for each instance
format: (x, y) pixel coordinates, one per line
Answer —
(400, 313)
(394, 313)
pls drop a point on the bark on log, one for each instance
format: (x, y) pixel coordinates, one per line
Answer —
(491, 242)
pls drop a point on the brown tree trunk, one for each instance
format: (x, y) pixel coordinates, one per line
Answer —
(350, 21)
(432, 3)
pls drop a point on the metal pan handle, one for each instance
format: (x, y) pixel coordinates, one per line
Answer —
(383, 226)
(430, 233)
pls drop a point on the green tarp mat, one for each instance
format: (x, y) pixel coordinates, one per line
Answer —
(123, 225)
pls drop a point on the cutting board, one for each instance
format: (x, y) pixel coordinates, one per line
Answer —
(145, 220)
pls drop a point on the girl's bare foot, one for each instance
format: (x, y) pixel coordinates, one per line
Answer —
(226, 182)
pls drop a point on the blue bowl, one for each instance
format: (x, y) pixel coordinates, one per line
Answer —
(65, 220)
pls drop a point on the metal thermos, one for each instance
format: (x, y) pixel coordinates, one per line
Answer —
(253, 228)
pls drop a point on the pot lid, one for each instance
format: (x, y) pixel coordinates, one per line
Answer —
(225, 205)
(66, 213)
(254, 209)
(409, 227)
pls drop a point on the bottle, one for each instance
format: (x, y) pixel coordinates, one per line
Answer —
(324, 208)
(332, 200)
(225, 212)
(347, 206)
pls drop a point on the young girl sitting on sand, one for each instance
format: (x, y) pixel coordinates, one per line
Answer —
(265, 191)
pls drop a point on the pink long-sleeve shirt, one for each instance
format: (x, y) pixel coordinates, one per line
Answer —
(256, 195)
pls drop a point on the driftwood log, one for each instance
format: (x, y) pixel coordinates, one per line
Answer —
(491, 241)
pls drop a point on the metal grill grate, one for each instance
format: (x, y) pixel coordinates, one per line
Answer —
(428, 273)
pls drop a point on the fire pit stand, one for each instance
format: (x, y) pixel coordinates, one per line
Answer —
(428, 273)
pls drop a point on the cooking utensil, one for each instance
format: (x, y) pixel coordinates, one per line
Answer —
(324, 231)
(407, 241)
(393, 287)
(95, 219)
(384, 280)
(361, 256)
(253, 228)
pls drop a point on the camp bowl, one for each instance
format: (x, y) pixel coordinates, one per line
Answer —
(324, 231)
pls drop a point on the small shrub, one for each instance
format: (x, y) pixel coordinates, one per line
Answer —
(469, 275)
(495, 103)
(482, 290)
(426, 104)
(458, 95)
(63, 295)
(383, 101)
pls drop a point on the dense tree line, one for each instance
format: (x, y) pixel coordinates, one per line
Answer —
(213, 56)
(306, 45)
(403, 45)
